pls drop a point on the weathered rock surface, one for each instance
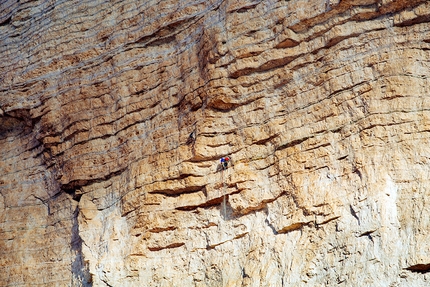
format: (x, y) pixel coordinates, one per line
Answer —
(114, 114)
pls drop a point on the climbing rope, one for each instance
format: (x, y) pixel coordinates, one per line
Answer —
(224, 208)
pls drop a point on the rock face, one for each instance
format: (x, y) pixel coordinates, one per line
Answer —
(114, 115)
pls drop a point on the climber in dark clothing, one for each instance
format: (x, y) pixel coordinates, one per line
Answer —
(191, 138)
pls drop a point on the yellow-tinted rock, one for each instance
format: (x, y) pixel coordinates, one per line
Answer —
(114, 117)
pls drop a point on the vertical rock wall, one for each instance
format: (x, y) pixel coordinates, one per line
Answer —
(114, 115)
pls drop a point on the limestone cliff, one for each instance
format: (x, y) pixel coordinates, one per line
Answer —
(114, 115)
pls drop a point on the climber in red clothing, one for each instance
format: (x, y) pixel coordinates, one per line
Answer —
(225, 161)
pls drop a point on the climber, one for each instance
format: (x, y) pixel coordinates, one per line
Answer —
(191, 138)
(224, 162)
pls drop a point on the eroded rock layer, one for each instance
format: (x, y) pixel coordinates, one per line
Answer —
(114, 115)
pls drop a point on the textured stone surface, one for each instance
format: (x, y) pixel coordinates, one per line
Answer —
(324, 107)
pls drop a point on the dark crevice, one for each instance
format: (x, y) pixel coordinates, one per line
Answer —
(173, 245)
(292, 143)
(260, 207)
(165, 34)
(354, 213)
(6, 22)
(342, 157)
(275, 232)
(367, 234)
(162, 229)
(71, 191)
(209, 203)
(67, 138)
(105, 281)
(80, 269)
(219, 105)
(357, 171)
(326, 221)
(315, 168)
(417, 20)
(317, 146)
(270, 65)
(246, 8)
(178, 192)
(162, 41)
(293, 227)
(213, 246)
(332, 42)
(337, 40)
(419, 268)
(244, 274)
(75, 185)
(287, 43)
